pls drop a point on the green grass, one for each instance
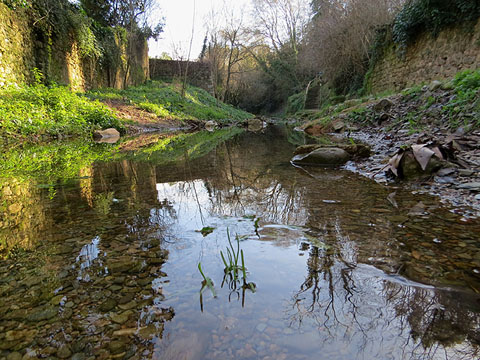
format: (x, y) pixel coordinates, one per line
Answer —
(39, 110)
(467, 97)
(165, 100)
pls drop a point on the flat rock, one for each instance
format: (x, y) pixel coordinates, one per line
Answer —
(108, 305)
(355, 150)
(446, 171)
(473, 186)
(338, 125)
(331, 156)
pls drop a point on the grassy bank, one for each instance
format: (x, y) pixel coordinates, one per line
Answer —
(165, 101)
(37, 111)
(31, 112)
(447, 104)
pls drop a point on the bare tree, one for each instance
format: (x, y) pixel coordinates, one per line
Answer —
(340, 37)
(282, 22)
(185, 76)
(226, 49)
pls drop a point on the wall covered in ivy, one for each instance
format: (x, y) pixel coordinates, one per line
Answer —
(69, 54)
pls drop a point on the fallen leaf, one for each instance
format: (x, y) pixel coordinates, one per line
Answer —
(422, 154)
(394, 162)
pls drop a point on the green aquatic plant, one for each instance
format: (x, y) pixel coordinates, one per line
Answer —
(206, 283)
(233, 269)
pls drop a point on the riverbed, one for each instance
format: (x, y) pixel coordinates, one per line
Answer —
(101, 246)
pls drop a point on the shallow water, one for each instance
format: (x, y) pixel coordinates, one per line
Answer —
(102, 261)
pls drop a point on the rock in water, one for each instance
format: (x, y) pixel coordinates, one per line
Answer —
(254, 125)
(211, 125)
(106, 134)
(331, 156)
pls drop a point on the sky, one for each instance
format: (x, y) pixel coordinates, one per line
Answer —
(178, 15)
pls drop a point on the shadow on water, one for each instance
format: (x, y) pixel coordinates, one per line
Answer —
(101, 247)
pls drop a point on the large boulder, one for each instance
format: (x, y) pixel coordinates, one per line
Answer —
(354, 150)
(326, 156)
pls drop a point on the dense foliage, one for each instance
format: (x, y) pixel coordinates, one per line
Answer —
(55, 110)
(418, 16)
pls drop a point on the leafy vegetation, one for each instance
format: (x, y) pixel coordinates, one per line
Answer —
(467, 99)
(206, 283)
(41, 110)
(165, 100)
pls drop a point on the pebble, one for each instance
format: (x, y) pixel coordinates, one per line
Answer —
(130, 305)
(64, 352)
(78, 356)
(121, 318)
(117, 347)
(14, 356)
(108, 305)
(125, 332)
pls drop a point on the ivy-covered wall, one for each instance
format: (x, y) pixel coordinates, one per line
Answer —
(16, 47)
(428, 58)
(64, 59)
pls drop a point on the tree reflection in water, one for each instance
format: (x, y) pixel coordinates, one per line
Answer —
(366, 306)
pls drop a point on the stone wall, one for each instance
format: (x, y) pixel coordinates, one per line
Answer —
(16, 47)
(199, 73)
(21, 50)
(428, 59)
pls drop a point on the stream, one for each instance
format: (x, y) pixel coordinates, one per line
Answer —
(100, 246)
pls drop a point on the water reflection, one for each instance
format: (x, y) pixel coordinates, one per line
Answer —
(341, 273)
